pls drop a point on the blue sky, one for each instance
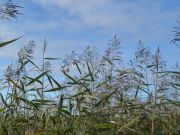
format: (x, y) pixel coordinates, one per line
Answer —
(74, 24)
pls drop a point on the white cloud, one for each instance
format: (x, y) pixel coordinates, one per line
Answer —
(139, 18)
(132, 19)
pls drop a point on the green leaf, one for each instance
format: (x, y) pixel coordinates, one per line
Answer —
(3, 101)
(77, 66)
(37, 78)
(90, 72)
(68, 76)
(55, 82)
(8, 42)
(30, 103)
(52, 58)
(55, 89)
(104, 126)
(42, 101)
(175, 130)
(132, 122)
(177, 103)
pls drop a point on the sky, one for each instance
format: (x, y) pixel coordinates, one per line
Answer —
(75, 24)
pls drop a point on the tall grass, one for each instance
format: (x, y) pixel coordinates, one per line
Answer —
(98, 95)
(8, 9)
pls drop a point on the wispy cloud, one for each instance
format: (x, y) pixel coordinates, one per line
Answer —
(139, 18)
(74, 24)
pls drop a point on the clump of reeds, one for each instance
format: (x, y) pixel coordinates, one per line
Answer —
(98, 94)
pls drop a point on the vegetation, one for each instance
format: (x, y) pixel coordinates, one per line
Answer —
(97, 95)
(90, 94)
(8, 9)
